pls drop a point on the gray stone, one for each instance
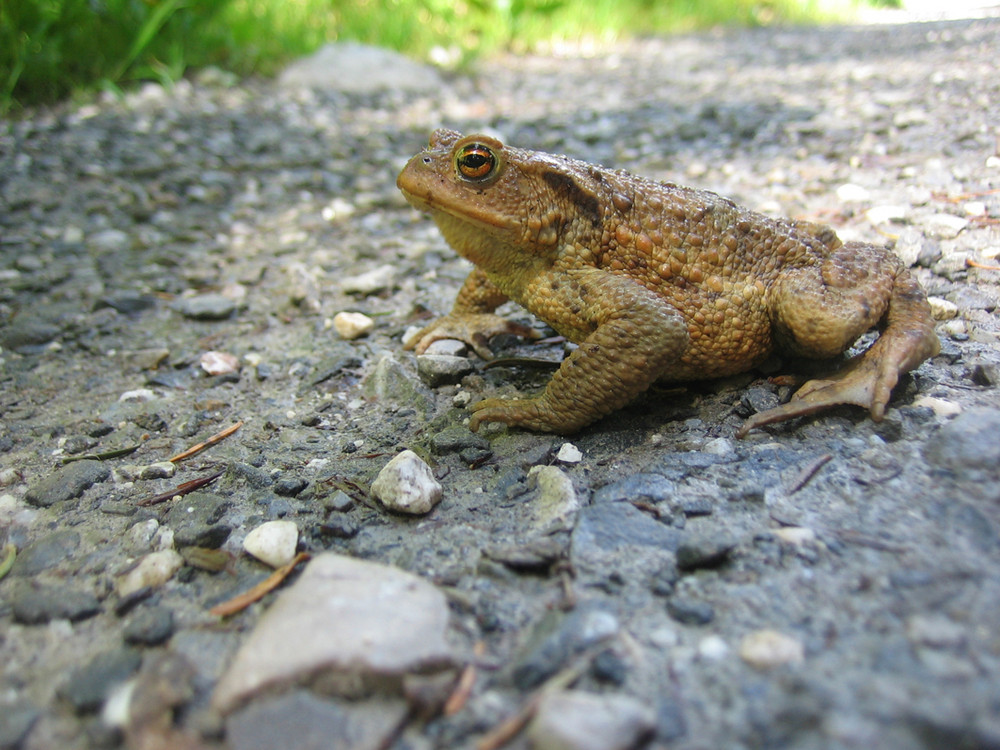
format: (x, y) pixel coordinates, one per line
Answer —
(67, 482)
(706, 551)
(348, 624)
(196, 520)
(395, 382)
(26, 331)
(89, 685)
(205, 307)
(359, 68)
(690, 611)
(34, 603)
(558, 637)
(16, 720)
(150, 627)
(653, 488)
(456, 439)
(968, 445)
(442, 369)
(110, 241)
(46, 552)
(315, 723)
(578, 720)
(613, 526)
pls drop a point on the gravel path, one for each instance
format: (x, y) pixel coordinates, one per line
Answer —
(825, 583)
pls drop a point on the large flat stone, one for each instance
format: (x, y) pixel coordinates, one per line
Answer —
(346, 627)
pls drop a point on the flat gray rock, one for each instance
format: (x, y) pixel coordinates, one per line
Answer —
(577, 720)
(359, 68)
(66, 483)
(347, 624)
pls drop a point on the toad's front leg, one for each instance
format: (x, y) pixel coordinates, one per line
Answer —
(628, 338)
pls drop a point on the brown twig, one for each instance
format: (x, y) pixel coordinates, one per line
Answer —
(809, 472)
(219, 436)
(103, 456)
(510, 728)
(463, 690)
(941, 196)
(181, 489)
(976, 264)
(244, 600)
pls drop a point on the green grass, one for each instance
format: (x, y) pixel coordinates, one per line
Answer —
(50, 49)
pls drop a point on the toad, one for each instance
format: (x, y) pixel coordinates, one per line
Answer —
(655, 281)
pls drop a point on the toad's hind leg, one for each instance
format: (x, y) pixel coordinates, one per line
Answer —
(820, 311)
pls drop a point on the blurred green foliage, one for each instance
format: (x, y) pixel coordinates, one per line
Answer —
(52, 48)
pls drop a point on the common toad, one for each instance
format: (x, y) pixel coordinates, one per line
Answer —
(655, 281)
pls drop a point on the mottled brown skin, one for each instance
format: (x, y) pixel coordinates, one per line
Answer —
(655, 282)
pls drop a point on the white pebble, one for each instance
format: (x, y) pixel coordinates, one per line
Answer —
(942, 309)
(407, 485)
(885, 214)
(273, 543)
(851, 193)
(219, 363)
(139, 394)
(767, 648)
(153, 570)
(368, 283)
(713, 648)
(352, 325)
(159, 470)
(940, 406)
(719, 447)
(569, 454)
(944, 226)
(795, 535)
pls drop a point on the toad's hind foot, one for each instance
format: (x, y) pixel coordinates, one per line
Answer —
(858, 384)
(866, 381)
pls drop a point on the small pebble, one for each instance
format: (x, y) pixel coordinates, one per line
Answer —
(578, 720)
(407, 485)
(767, 648)
(442, 369)
(273, 542)
(944, 226)
(371, 282)
(159, 470)
(219, 363)
(205, 307)
(569, 454)
(556, 501)
(150, 627)
(153, 570)
(885, 214)
(942, 309)
(352, 325)
(713, 648)
(690, 611)
(940, 406)
(139, 394)
(851, 193)
(795, 535)
(934, 631)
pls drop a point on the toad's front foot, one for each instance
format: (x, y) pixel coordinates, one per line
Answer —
(529, 413)
(475, 329)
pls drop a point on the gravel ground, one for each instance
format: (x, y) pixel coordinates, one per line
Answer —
(829, 582)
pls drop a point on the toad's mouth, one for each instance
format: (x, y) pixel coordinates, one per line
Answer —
(470, 207)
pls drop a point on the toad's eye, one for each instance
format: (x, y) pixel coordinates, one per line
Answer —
(476, 162)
